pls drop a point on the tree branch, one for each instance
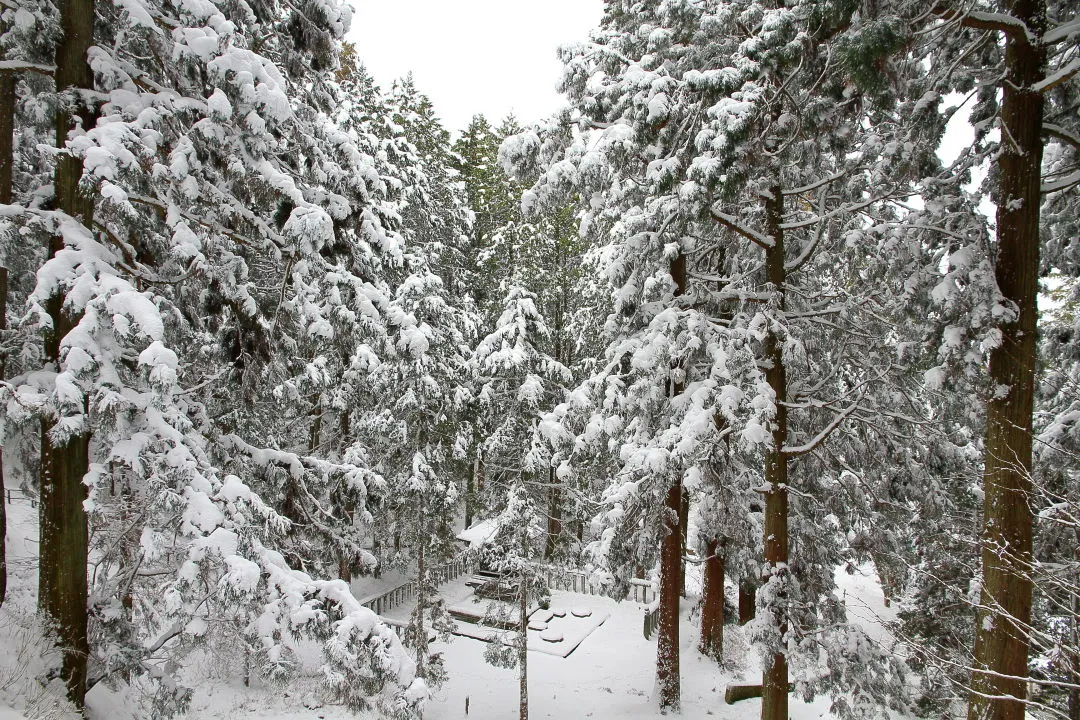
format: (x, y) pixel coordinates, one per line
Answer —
(18, 66)
(1000, 22)
(732, 223)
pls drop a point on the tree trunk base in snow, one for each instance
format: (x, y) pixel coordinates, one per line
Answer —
(735, 693)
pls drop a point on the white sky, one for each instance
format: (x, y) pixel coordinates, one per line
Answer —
(473, 56)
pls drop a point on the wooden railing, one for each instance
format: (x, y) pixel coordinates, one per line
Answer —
(582, 582)
(652, 620)
(406, 591)
(12, 495)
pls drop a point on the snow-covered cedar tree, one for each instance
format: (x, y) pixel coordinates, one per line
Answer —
(235, 259)
(514, 550)
(542, 255)
(1011, 63)
(516, 380)
(726, 154)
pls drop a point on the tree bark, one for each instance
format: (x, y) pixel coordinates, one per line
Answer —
(62, 589)
(1001, 632)
(684, 521)
(774, 701)
(667, 643)
(419, 633)
(523, 648)
(554, 524)
(3, 495)
(712, 603)
(1074, 656)
(7, 162)
(7, 139)
(747, 600)
(470, 490)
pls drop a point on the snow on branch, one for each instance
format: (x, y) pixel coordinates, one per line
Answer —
(17, 66)
(1061, 32)
(732, 223)
(1000, 22)
(1060, 133)
(1063, 75)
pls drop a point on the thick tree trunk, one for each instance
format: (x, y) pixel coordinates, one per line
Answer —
(1001, 630)
(684, 521)
(3, 495)
(7, 138)
(667, 643)
(712, 603)
(62, 587)
(774, 699)
(554, 523)
(523, 649)
(747, 600)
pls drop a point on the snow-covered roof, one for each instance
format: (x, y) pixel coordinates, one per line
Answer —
(478, 534)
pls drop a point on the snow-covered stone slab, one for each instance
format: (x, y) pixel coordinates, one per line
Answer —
(538, 625)
(552, 636)
(558, 612)
(581, 612)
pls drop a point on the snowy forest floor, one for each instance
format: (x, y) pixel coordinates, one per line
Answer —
(609, 673)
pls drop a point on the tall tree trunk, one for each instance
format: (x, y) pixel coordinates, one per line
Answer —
(62, 587)
(470, 490)
(523, 649)
(315, 430)
(667, 643)
(419, 633)
(3, 495)
(348, 509)
(7, 162)
(1001, 630)
(554, 523)
(747, 600)
(7, 137)
(774, 697)
(1074, 656)
(712, 603)
(684, 521)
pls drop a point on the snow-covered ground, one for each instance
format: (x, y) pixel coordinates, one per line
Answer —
(608, 674)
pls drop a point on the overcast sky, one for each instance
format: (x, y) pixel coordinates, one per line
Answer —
(473, 56)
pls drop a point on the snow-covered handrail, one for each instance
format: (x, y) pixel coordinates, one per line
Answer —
(388, 599)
